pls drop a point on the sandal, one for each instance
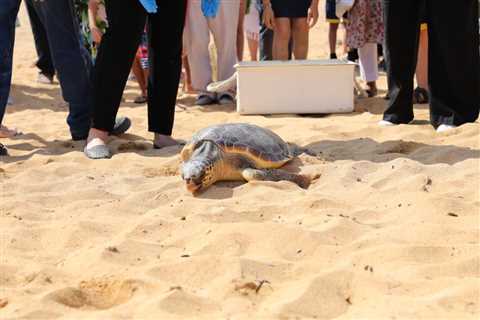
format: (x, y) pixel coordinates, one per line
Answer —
(372, 90)
(3, 150)
(140, 100)
(8, 133)
(420, 96)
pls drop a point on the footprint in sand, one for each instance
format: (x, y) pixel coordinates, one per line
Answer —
(401, 147)
(326, 297)
(132, 146)
(102, 293)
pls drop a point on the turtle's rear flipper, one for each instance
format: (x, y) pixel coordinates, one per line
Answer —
(275, 175)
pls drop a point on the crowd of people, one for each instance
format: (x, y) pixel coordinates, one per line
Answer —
(93, 47)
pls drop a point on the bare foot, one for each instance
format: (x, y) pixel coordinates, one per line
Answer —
(162, 141)
(8, 133)
(95, 134)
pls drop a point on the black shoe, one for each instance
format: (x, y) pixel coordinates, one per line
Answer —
(3, 151)
(122, 124)
(79, 137)
(420, 96)
(333, 56)
(352, 55)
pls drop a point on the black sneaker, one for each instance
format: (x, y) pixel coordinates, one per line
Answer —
(3, 151)
(333, 56)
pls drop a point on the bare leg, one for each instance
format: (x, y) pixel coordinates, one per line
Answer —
(275, 175)
(161, 141)
(253, 48)
(138, 72)
(146, 73)
(188, 77)
(281, 38)
(422, 64)
(300, 31)
(332, 37)
(7, 133)
(240, 30)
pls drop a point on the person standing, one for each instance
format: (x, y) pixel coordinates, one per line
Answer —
(126, 19)
(70, 59)
(454, 61)
(290, 19)
(219, 17)
(44, 62)
(364, 32)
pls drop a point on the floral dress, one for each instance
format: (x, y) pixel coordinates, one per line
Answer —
(365, 23)
(81, 7)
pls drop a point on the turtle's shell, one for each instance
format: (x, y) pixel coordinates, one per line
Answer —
(265, 148)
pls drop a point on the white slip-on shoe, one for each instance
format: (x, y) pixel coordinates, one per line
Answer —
(386, 123)
(445, 127)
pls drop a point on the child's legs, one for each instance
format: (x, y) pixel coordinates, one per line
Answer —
(422, 63)
(253, 48)
(281, 38)
(137, 71)
(188, 76)
(368, 55)
(332, 36)
(300, 38)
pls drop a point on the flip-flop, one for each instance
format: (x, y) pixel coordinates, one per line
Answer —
(420, 96)
(99, 151)
(140, 100)
(122, 124)
(3, 151)
(8, 133)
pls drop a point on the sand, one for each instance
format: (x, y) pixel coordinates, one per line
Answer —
(390, 229)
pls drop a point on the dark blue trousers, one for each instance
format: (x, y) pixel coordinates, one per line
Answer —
(70, 59)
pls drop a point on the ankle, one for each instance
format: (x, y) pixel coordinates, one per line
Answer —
(96, 133)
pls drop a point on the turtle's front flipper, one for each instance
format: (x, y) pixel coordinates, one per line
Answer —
(275, 175)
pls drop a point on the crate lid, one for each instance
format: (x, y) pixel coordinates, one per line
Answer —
(293, 63)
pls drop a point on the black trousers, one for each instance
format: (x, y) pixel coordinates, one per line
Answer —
(117, 51)
(45, 61)
(454, 61)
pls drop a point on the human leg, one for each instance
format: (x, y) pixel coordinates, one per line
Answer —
(44, 62)
(300, 31)
(224, 29)
(454, 62)
(197, 38)
(71, 60)
(165, 56)
(401, 39)
(368, 56)
(241, 30)
(115, 58)
(8, 14)
(281, 38)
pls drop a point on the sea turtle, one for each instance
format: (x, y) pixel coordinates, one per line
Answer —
(237, 151)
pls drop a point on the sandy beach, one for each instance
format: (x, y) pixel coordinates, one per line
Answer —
(388, 230)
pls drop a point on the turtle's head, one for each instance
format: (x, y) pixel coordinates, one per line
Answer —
(199, 172)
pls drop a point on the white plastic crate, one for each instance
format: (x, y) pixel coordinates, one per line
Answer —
(301, 86)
